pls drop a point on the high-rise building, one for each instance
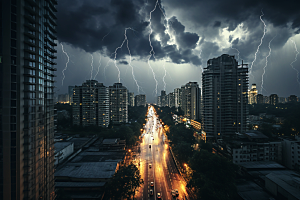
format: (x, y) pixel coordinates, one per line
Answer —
(171, 99)
(191, 100)
(273, 99)
(266, 99)
(252, 93)
(63, 98)
(177, 97)
(293, 98)
(27, 59)
(259, 99)
(91, 104)
(224, 94)
(131, 99)
(70, 92)
(140, 100)
(164, 99)
(159, 101)
(118, 103)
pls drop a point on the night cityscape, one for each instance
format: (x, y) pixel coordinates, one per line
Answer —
(149, 99)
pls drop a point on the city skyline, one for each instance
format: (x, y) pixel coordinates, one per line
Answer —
(197, 32)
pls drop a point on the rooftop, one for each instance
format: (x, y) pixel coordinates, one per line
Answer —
(61, 145)
(87, 170)
(110, 141)
(262, 165)
(79, 184)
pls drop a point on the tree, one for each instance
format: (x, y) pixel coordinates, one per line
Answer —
(213, 176)
(183, 151)
(124, 182)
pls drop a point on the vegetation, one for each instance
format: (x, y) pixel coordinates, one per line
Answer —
(209, 175)
(129, 132)
(290, 112)
(213, 176)
(124, 183)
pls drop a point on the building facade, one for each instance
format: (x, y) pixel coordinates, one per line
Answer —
(91, 104)
(171, 99)
(191, 100)
(259, 99)
(225, 96)
(27, 60)
(177, 97)
(140, 100)
(252, 93)
(118, 107)
(131, 99)
(273, 99)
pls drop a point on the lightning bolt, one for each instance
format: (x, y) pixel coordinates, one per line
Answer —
(92, 66)
(138, 87)
(63, 71)
(261, 40)
(262, 77)
(165, 85)
(295, 61)
(106, 67)
(152, 53)
(98, 66)
(105, 36)
(201, 59)
(236, 50)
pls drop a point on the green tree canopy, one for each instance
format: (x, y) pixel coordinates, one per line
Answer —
(213, 176)
(124, 182)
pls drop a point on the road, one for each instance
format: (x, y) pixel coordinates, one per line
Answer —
(162, 172)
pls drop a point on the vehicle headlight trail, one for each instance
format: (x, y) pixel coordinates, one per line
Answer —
(63, 71)
(262, 76)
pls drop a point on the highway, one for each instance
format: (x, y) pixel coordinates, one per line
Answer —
(157, 165)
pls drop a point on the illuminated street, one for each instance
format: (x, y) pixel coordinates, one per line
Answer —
(157, 165)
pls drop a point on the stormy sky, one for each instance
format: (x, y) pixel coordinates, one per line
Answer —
(152, 45)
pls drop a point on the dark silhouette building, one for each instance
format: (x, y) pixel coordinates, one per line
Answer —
(273, 99)
(293, 98)
(259, 99)
(27, 60)
(224, 97)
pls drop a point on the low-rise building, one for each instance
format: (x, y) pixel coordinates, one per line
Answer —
(291, 152)
(254, 146)
(62, 151)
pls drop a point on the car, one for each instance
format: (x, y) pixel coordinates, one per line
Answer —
(158, 195)
(176, 192)
(151, 192)
(150, 165)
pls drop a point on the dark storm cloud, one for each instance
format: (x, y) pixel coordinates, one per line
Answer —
(124, 62)
(279, 12)
(217, 24)
(100, 26)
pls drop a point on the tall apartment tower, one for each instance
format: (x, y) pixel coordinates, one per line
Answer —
(177, 97)
(27, 59)
(191, 100)
(252, 93)
(225, 99)
(130, 98)
(91, 104)
(171, 99)
(140, 100)
(273, 99)
(259, 99)
(118, 106)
